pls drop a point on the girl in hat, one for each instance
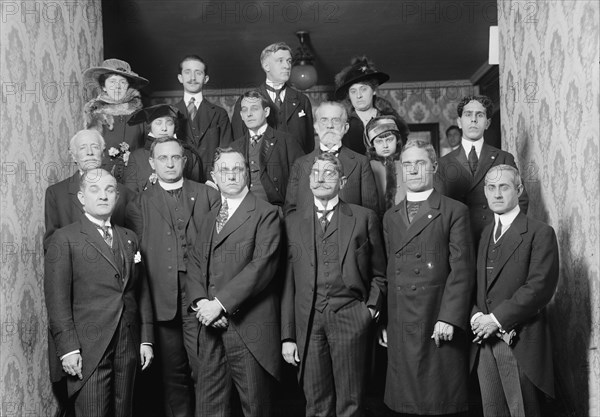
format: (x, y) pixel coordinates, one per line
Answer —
(119, 98)
(358, 84)
(163, 121)
(386, 135)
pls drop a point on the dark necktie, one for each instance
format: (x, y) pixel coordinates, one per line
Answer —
(223, 216)
(191, 108)
(254, 140)
(473, 160)
(106, 234)
(176, 193)
(277, 92)
(323, 218)
(498, 231)
(412, 208)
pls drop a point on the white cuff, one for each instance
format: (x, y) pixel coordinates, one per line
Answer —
(222, 306)
(475, 316)
(69, 354)
(497, 323)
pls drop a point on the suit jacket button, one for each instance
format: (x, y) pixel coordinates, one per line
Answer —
(417, 271)
(418, 255)
(169, 268)
(488, 301)
(397, 255)
(484, 217)
(117, 276)
(484, 206)
(413, 287)
(168, 249)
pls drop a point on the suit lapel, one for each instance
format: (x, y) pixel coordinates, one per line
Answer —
(307, 232)
(73, 189)
(486, 160)
(94, 238)
(290, 102)
(346, 224)
(348, 161)
(269, 141)
(120, 235)
(428, 212)
(511, 241)
(237, 219)
(188, 201)
(157, 198)
(205, 115)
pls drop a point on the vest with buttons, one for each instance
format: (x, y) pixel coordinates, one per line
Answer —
(493, 255)
(177, 212)
(330, 288)
(255, 168)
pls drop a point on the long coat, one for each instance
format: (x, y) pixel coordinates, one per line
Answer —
(522, 284)
(150, 218)
(362, 262)
(62, 207)
(209, 130)
(88, 294)
(454, 179)
(238, 267)
(298, 120)
(279, 150)
(360, 186)
(431, 272)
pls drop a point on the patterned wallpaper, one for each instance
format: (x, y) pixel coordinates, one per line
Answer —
(549, 96)
(44, 48)
(425, 102)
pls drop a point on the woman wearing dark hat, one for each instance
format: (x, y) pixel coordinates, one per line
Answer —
(386, 136)
(119, 98)
(358, 83)
(163, 121)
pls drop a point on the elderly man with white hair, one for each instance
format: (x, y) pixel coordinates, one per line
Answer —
(62, 207)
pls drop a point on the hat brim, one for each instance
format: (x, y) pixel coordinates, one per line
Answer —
(342, 91)
(149, 114)
(90, 76)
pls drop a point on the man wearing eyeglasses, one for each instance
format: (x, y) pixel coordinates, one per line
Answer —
(461, 173)
(334, 290)
(166, 216)
(331, 123)
(430, 272)
(517, 274)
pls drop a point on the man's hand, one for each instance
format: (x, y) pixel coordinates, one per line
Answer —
(221, 323)
(289, 350)
(442, 332)
(146, 355)
(483, 327)
(382, 339)
(208, 311)
(72, 364)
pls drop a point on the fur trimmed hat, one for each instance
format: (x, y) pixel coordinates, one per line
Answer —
(114, 66)
(360, 69)
(149, 114)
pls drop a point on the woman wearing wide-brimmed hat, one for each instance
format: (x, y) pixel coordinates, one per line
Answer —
(357, 83)
(386, 135)
(109, 112)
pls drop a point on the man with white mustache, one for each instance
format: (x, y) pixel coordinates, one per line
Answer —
(331, 123)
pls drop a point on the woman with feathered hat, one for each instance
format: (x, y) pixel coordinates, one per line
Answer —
(357, 83)
(109, 112)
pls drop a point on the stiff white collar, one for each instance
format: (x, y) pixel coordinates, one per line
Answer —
(197, 98)
(261, 130)
(330, 204)
(171, 185)
(98, 221)
(418, 196)
(467, 144)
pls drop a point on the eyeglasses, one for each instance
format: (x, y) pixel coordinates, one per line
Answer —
(336, 121)
(163, 159)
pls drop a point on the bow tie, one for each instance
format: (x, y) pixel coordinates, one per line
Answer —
(335, 153)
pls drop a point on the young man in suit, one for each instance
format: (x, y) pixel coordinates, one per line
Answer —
(517, 274)
(334, 289)
(269, 152)
(232, 289)
(291, 110)
(99, 310)
(205, 126)
(167, 217)
(359, 189)
(431, 273)
(62, 206)
(461, 173)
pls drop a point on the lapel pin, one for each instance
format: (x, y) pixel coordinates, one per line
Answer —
(192, 198)
(429, 216)
(301, 112)
(493, 157)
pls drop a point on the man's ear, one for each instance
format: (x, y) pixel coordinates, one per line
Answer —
(459, 122)
(206, 78)
(151, 160)
(180, 78)
(520, 189)
(488, 123)
(346, 127)
(80, 197)
(267, 111)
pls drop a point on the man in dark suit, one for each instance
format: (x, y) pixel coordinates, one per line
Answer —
(291, 110)
(517, 274)
(167, 217)
(461, 173)
(98, 304)
(205, 126)
(232, 286)
(62, 206)
(269, 152)
(431, 273)
(334, 288)
(359, 189)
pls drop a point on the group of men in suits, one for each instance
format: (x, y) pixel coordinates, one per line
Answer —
(213, 303)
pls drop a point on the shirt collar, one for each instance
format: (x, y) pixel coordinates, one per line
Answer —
(237, 199)
(273, 85)
(98, 222)
(197, 98)
(330, 204)
(467, 144)
(333, 149)
(418, 196)
(508, 217)
(260, 131)
(171, 185)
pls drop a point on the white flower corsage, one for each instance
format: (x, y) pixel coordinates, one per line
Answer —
(153, 178)
(122, 153)
(137, 258)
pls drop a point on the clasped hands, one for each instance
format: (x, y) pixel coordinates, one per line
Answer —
(210, 313)
(483, 327)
